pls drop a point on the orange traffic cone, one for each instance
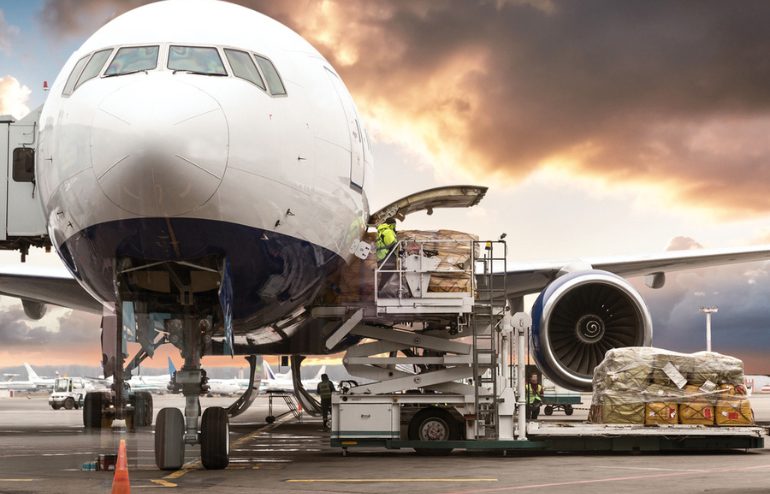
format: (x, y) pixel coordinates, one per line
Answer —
(120, 483)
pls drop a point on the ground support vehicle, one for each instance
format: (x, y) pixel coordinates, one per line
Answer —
(68, 393)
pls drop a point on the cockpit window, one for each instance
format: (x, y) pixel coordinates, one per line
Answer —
(94, 66)
(196, 60)
(274, 81)
(243, 67)
(133, 59)
(73, 78)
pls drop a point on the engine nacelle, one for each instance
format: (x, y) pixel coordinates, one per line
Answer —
(580, 316)
(34, 310)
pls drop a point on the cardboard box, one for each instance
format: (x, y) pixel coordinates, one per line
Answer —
(696, 413)
(736, 411)
(661, 413)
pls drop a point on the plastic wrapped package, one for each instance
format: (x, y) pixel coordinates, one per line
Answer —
(454, 250)
(697, 407)
(619, 409)
(669, 388)
(714, 367)
(734, 411)
(661, 404)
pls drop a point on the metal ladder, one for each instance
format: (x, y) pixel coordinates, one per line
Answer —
(488, 312)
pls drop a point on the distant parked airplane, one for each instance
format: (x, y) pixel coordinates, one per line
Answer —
(284, 383)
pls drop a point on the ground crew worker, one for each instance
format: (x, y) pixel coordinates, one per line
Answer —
(386, 241)
(325, 389)
(534, 397)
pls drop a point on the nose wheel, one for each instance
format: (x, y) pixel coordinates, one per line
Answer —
(215, 438)
(175, 430)
(169, 439)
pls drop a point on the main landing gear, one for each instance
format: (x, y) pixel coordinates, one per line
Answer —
(101, 408)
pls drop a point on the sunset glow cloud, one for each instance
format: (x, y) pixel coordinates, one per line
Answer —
(643, 93)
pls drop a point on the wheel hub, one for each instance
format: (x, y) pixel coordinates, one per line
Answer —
(434, 430)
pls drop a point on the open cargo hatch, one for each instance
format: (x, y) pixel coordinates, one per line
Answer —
(453, 196)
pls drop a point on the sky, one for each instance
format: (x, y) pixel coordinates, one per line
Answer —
(602, 128)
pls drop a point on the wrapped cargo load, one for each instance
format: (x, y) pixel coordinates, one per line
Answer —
(703, 388)
(453, 249)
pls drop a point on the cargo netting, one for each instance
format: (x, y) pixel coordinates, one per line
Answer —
(651, 386)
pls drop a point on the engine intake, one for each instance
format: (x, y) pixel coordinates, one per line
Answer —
(580, 316)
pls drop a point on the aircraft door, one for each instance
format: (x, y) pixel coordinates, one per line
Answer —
(354, 129)
(24, 215)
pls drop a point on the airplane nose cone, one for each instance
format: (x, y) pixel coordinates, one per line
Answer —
(159, 147)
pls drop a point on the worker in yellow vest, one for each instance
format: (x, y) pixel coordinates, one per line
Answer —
(534, 397)
(325, 389)
(386, 242)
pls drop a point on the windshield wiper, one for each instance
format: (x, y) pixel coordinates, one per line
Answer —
(195, 72)
(126, 73)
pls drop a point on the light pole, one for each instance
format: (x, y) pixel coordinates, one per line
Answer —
(708, 311)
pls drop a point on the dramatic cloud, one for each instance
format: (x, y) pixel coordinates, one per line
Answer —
(7, 32)
(666, 93)
(13, 97)
(71, 330)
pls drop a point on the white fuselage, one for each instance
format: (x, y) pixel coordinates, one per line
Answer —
(169, 165)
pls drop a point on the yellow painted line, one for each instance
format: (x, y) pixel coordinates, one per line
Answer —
(361, 481)
(163, 483)
(176, 475)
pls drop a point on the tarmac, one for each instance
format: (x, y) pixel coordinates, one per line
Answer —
(42, 450)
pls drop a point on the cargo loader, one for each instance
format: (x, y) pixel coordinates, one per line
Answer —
(447, 370)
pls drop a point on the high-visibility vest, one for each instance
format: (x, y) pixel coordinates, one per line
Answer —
(386, 239)
(325, 389)
(533, 396)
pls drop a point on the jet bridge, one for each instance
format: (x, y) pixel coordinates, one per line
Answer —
(22, 222)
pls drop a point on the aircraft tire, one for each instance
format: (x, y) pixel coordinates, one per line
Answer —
(92, 410)
(169, 439)
(215, 438)
(433, 424)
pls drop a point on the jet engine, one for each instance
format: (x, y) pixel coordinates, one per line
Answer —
(34, 310)
(580, 316)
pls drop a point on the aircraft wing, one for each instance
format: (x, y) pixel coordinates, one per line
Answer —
(523, 279)
(52, 286)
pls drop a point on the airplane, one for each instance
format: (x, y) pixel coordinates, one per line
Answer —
(202, 167)
(154, 384)
(39, 382)
(272, 382)
(33, 382)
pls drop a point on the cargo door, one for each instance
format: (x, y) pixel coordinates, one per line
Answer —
(354, 131)
(24, 216)
(452, 196)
